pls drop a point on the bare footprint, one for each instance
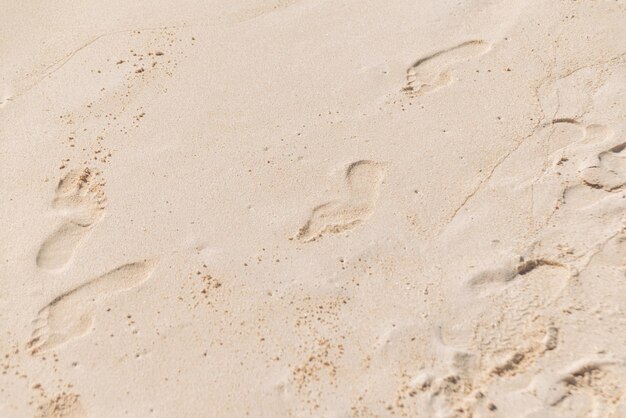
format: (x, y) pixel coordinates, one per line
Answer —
(591, 385)
(433, 72)
(363, 179)
(511, 312)
(446, 390)
(58, 249)
(81, 200)
(70, 315)
(505, 274)
(609, 171)
(591, 158)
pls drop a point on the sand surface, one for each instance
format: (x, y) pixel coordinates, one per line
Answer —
(347, 208)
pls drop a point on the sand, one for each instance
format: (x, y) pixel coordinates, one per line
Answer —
(276, 208)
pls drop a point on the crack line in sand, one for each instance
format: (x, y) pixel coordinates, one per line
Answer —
(493, 169)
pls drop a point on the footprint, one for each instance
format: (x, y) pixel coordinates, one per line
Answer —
(363, 179)
(609, 172)
(591, 158)
(79, 197)
(517, 289)
(588, 387)
(436, 373)
(511, 313)
(58, 249)
(503, 275)
(70, 315)
(433, 72)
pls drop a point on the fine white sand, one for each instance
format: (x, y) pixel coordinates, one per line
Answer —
(275, 208)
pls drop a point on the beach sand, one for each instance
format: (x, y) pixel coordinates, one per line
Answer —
(295, 208)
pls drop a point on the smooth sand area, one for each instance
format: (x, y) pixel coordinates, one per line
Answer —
(313, 208)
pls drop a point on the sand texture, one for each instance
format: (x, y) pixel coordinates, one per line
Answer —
(313, 208)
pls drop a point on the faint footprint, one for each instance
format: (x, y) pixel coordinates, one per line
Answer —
(502, 275)
(513, 325)
(433, 72)
(363, 179)
(609, 172)
(70, 315)
(590, 155)
(592, 381)
(512, 361)
(79, 197)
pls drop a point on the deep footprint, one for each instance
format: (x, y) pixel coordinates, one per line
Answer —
(81, 200)
(363, 180)
(70, 315)
(430, 73)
